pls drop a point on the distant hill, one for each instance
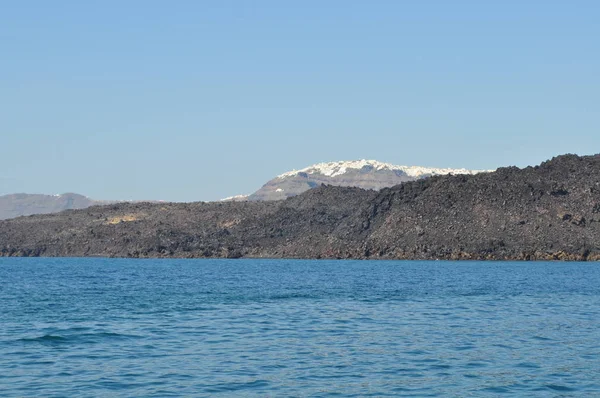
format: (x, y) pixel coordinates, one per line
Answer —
(26, 204)
(366, 174)
(23, 204)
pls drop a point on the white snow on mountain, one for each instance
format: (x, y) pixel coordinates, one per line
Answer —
(234, 198)
(333, 169)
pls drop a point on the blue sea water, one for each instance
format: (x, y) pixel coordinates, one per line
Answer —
(115, 327)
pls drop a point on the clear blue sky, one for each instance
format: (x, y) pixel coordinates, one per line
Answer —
(197, 100)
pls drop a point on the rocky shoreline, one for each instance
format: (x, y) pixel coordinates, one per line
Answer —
(547, 212)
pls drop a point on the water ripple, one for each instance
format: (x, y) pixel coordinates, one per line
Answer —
(101, 327)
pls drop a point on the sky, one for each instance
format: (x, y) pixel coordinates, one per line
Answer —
(199, 100)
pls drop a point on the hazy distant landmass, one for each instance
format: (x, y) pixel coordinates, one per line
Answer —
(22, 204)
(550, 211)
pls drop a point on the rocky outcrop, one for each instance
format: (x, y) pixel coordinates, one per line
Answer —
(551, 211)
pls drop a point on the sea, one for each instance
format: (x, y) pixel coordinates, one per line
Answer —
(94, 327)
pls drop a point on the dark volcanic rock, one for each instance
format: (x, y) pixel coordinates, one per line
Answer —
(549, 211)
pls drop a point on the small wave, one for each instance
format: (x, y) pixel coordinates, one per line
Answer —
(557, 387)
(528, 365)
(224, 387)
(541, 338)
(416, 352)
(497, 390)
(110, 335)
(47, 338)
(288, 296)
(476, 365)
(465, 347)
(74, 338)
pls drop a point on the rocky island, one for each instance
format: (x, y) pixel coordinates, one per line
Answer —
(546, 212)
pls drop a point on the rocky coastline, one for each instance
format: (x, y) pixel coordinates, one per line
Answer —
(546, 212)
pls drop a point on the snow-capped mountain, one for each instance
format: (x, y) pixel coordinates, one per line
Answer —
(367, 174)
(235, 198)
(334, 169)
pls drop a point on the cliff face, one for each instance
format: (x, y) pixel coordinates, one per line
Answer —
(284, 187)
(551, 211)
(366, 174)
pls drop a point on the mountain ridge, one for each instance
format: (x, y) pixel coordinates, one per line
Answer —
(282, 186)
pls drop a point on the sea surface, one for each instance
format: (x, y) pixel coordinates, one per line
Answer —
(277, 328)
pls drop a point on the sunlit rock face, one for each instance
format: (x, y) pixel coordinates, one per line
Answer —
(366, 174)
